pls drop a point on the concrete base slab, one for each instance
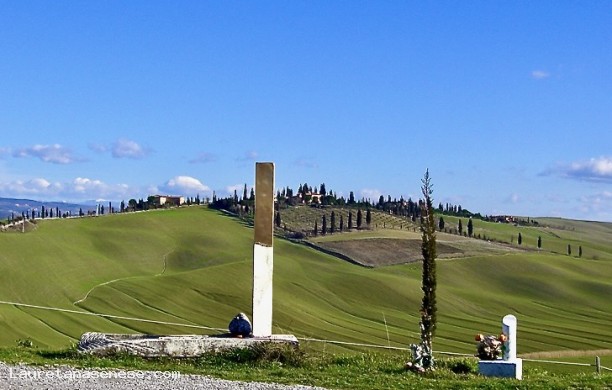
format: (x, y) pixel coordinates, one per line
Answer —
(502, 368)
(105, 344)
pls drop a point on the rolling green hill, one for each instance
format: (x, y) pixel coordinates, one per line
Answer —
(193, 266)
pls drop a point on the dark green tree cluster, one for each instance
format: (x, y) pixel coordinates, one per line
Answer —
(456, 210)
(400, 207)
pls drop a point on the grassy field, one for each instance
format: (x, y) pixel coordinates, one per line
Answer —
(193, 266)
(367, 371)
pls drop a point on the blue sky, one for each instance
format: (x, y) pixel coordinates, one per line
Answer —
(508, 104)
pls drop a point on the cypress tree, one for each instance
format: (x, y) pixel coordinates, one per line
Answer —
(277, 219)
(324, 225)
(429, 282)
(351, 198)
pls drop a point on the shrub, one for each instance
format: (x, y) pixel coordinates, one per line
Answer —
(266, 353)
(459, 365)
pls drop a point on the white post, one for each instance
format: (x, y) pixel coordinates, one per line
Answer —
(509, 329)
(263, 249)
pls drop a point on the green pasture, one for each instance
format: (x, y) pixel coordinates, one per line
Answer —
(193, 266)
(556, 234)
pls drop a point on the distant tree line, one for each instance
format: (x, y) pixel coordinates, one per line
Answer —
(318, 196)
(45, 212)
(35, 213)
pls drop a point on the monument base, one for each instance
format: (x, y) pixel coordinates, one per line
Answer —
(502, 368)
(105, 344)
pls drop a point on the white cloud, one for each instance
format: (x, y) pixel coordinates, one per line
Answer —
(38, 186)
(185, 185)
(56, 154)
(122, 148)
(595, 169)
(83, 185)
(96, 189)
(80, 189)
(125, 148)
(601, 167)
(540, 74)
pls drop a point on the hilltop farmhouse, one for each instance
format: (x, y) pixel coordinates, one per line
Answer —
(162, 200)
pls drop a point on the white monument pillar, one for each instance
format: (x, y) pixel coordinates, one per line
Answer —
(263, 249)
(509, 329)
(509, 366)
